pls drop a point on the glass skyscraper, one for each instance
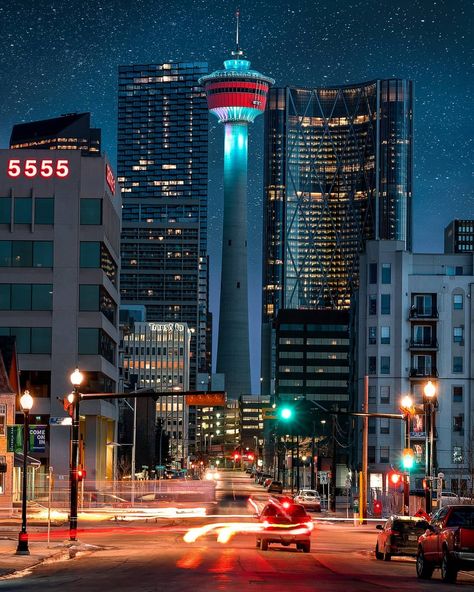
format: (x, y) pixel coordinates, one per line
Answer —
(163, 169)
(338, 171)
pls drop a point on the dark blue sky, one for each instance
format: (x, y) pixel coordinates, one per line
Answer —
(62, 56)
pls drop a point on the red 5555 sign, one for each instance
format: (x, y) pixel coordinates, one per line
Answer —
(32, 167)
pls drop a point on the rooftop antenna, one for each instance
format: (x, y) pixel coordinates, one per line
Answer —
(238, 51)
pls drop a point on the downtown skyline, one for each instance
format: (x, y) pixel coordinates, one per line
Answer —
(60, 65)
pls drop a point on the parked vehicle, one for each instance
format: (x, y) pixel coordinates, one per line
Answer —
(399, 536)
(275, 487)
(448, 543)
(290, 525)
(309, 499)
(267, 481)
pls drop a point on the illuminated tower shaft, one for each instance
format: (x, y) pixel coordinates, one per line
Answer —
(236, 96)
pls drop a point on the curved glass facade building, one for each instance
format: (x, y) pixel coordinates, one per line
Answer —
(338, 171)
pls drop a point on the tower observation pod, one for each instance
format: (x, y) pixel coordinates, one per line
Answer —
(236, 95)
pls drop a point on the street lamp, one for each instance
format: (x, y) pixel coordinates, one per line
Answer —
(26, 403)
(73, 398)
(429, 402)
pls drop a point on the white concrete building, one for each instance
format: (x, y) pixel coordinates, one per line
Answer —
(416, 323)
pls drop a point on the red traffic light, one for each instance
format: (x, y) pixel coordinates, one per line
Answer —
(250, 456)
(395, 478)
(81, 474)
(236, 456)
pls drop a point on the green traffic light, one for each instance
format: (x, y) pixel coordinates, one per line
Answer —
(286, 413)
(407, 462)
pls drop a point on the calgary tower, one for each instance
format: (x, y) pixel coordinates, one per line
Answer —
(236, 96)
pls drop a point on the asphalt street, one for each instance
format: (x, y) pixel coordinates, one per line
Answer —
(148, 557)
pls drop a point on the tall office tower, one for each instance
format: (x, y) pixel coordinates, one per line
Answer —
(59, 259)
(338, 171)
(67, 132)
(236, 96)
(162, 167)
(459, 237)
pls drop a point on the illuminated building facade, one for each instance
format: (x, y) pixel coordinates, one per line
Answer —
(59, 293)
(162, 167)
(157, 355)
(338, 171)
(236, 95)
(67, 132)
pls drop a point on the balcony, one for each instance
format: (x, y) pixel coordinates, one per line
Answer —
(429, 344)
(424, 372)
(424, 314)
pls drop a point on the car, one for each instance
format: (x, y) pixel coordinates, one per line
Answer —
(261, 478)
(267, 481)
(275, 487)
(309, 499)
(399, 536)
(448, 543)
(287, 524)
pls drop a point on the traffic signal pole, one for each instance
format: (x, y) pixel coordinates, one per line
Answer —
(365, 455)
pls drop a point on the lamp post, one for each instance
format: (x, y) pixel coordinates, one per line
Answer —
(26, 403)
(408, 411)
(430, 394)
(76, 381)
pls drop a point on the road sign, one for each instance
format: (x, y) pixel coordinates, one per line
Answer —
(60, 421)
(323, 477)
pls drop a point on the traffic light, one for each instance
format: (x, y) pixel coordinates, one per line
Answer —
(81, 474)
(408, 459)
(395, 479)
(236, 456)
(250, 456)
(285, 413)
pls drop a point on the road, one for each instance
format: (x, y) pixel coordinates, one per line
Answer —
(148, 557)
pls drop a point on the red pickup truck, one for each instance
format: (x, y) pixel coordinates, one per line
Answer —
(447, 543)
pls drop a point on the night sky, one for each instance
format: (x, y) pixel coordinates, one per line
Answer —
(62, 56)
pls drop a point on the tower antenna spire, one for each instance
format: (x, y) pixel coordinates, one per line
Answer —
(238, 51)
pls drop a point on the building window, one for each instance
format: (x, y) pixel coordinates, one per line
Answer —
(91, 211)
(423, 305)
(384, 395)
(384, 425)
(458, 423)
(30, 340)
(457, 454)
(90, 254)
(44, 210)
(457, 394)
(371, 454)
(5, 210)
(3, 419)
(96, 342)
(386, 273)
(372, 335)
(26, 296)
(458, 301)
(372, 273)
(422, 365)
(458, 335)
(385, 335)
(372, 304)
(22, 214)
(384, 454)
(372, 365)
(457, 364)
(422, 335)
(384, 364)
(371, 425)
(385, 304)
(372, 394)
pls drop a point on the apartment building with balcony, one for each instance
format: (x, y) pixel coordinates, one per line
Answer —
(415, 321)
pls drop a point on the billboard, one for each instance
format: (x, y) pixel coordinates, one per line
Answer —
(213, 399)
